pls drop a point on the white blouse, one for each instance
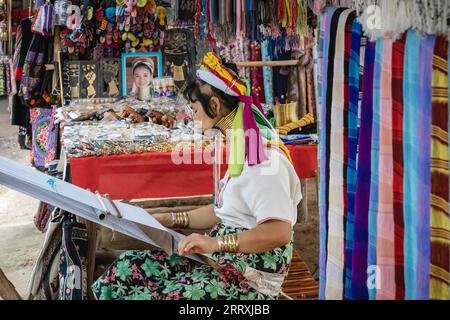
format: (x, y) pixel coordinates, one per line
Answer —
(270, 190)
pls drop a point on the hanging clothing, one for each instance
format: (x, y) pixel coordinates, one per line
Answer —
(39, 54)
(20, 115)
(439, 216)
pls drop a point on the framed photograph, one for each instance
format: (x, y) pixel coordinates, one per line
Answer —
(138, 71)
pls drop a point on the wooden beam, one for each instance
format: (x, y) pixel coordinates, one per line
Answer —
(279, 63)
(7, 290)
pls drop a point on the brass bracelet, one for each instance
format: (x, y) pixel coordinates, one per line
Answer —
(228, 243)
(180, 219)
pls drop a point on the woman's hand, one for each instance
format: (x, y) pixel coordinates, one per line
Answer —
(164, 218)
(197, 243)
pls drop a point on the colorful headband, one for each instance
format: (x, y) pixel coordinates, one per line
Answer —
(246, 141)
(148, 64)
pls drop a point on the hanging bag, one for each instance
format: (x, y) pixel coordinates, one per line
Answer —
(73, 257)
(37, 25)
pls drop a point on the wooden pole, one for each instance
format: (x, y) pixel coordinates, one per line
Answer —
(7, 290)
(280, 63)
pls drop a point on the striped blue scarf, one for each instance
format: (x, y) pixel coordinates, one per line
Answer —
(410, 119)
(423, 127)
(352, 149)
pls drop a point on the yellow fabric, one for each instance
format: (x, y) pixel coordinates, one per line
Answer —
(439, 211)
(285, 113)
(306, 120)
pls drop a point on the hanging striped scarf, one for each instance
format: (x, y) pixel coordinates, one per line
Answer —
(267, 73)
(351, 142)
(440, 224)
(385, 218)
(410, 119)
(331, 14)
(359, 254)
(336, 236)
(424, 167)
(398, 52)
(375, 145)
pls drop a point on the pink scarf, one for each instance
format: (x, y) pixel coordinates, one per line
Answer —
(385, 221)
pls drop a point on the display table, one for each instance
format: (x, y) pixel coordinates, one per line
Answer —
(155, 175)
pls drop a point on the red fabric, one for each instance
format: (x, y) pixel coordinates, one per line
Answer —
(304, 159)
(154, 175)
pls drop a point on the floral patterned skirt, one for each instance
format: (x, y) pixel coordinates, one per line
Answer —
(154, 275)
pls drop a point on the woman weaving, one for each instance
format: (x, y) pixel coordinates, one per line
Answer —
(252, 217)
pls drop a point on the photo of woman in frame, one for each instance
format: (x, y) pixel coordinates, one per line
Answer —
(138, 72)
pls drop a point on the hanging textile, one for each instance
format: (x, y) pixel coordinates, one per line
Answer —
(359, 254)
(267, 73)
(348, 214)
(336, 235)
(44, 136)
(329, 35)
(257, 73)
(384, 188)
(439, 215)
(424, 167)
(385, 218)
(398, 53)
(374, 179)
(351, 143)
(410, 119)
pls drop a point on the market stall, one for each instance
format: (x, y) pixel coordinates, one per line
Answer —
(98, 87)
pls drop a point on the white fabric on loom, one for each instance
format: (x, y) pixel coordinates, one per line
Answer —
(335, 262)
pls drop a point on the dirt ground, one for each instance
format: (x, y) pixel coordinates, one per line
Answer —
(20, 241)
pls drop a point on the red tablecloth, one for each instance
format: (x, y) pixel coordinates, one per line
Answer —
(304, 158)
(155, 175)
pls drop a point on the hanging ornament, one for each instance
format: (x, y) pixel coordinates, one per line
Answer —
(74, 19)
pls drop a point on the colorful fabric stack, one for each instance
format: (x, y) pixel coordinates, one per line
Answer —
(384, 187)
(306, 120)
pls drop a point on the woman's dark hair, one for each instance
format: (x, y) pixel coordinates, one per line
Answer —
(194, 93)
